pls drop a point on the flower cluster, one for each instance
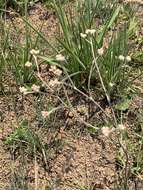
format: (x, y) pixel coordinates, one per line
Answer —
(34, 52)
(54, 83)
(23, 90)
(106, 131)
(55, 70)
(44, 114)
(121, 127)
(123, 58)
(35, 88)
(111, 84)
(60, 58)
(83, 35)
(28, 64)
(100, 51)
(88, 32)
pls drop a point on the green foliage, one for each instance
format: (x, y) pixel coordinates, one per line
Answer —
(133, 27)
(138, 56)
(17, 61)
(78, 50)
(23, 136)
(3, 43)
(115, 72)
(124, 105)
(14, 55)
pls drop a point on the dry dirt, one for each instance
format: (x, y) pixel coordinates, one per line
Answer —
(82, 160)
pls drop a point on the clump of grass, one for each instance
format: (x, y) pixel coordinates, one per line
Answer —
(14, 55)
(24, 137)
(81, 47)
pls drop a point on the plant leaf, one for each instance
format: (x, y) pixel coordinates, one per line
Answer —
(124, 105)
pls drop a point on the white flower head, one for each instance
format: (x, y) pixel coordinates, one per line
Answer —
(34, 52)
(106, 131)
(35, 88)
(111, 84)
(55, 70)
(23, 90)
(28, 64)
(90, 31)
(121, 127)
(44, 114)
(58, 72)
(83, 35)
(60, 58)
(54, 83)
(128, 58)
(100, 51)
(121, 58)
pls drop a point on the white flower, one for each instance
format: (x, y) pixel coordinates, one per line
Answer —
(28, 64)
(23, 90)
(58, 72)
(35, 88)
(83, 35)
(44, 114)
(55, 70)
(111, 84)
(106, 131)
(100, 51)
(60, 58)
(90, 31)
(121, 127)
(121, 58)
(34, 52)
(128, 58)
(54, 83)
